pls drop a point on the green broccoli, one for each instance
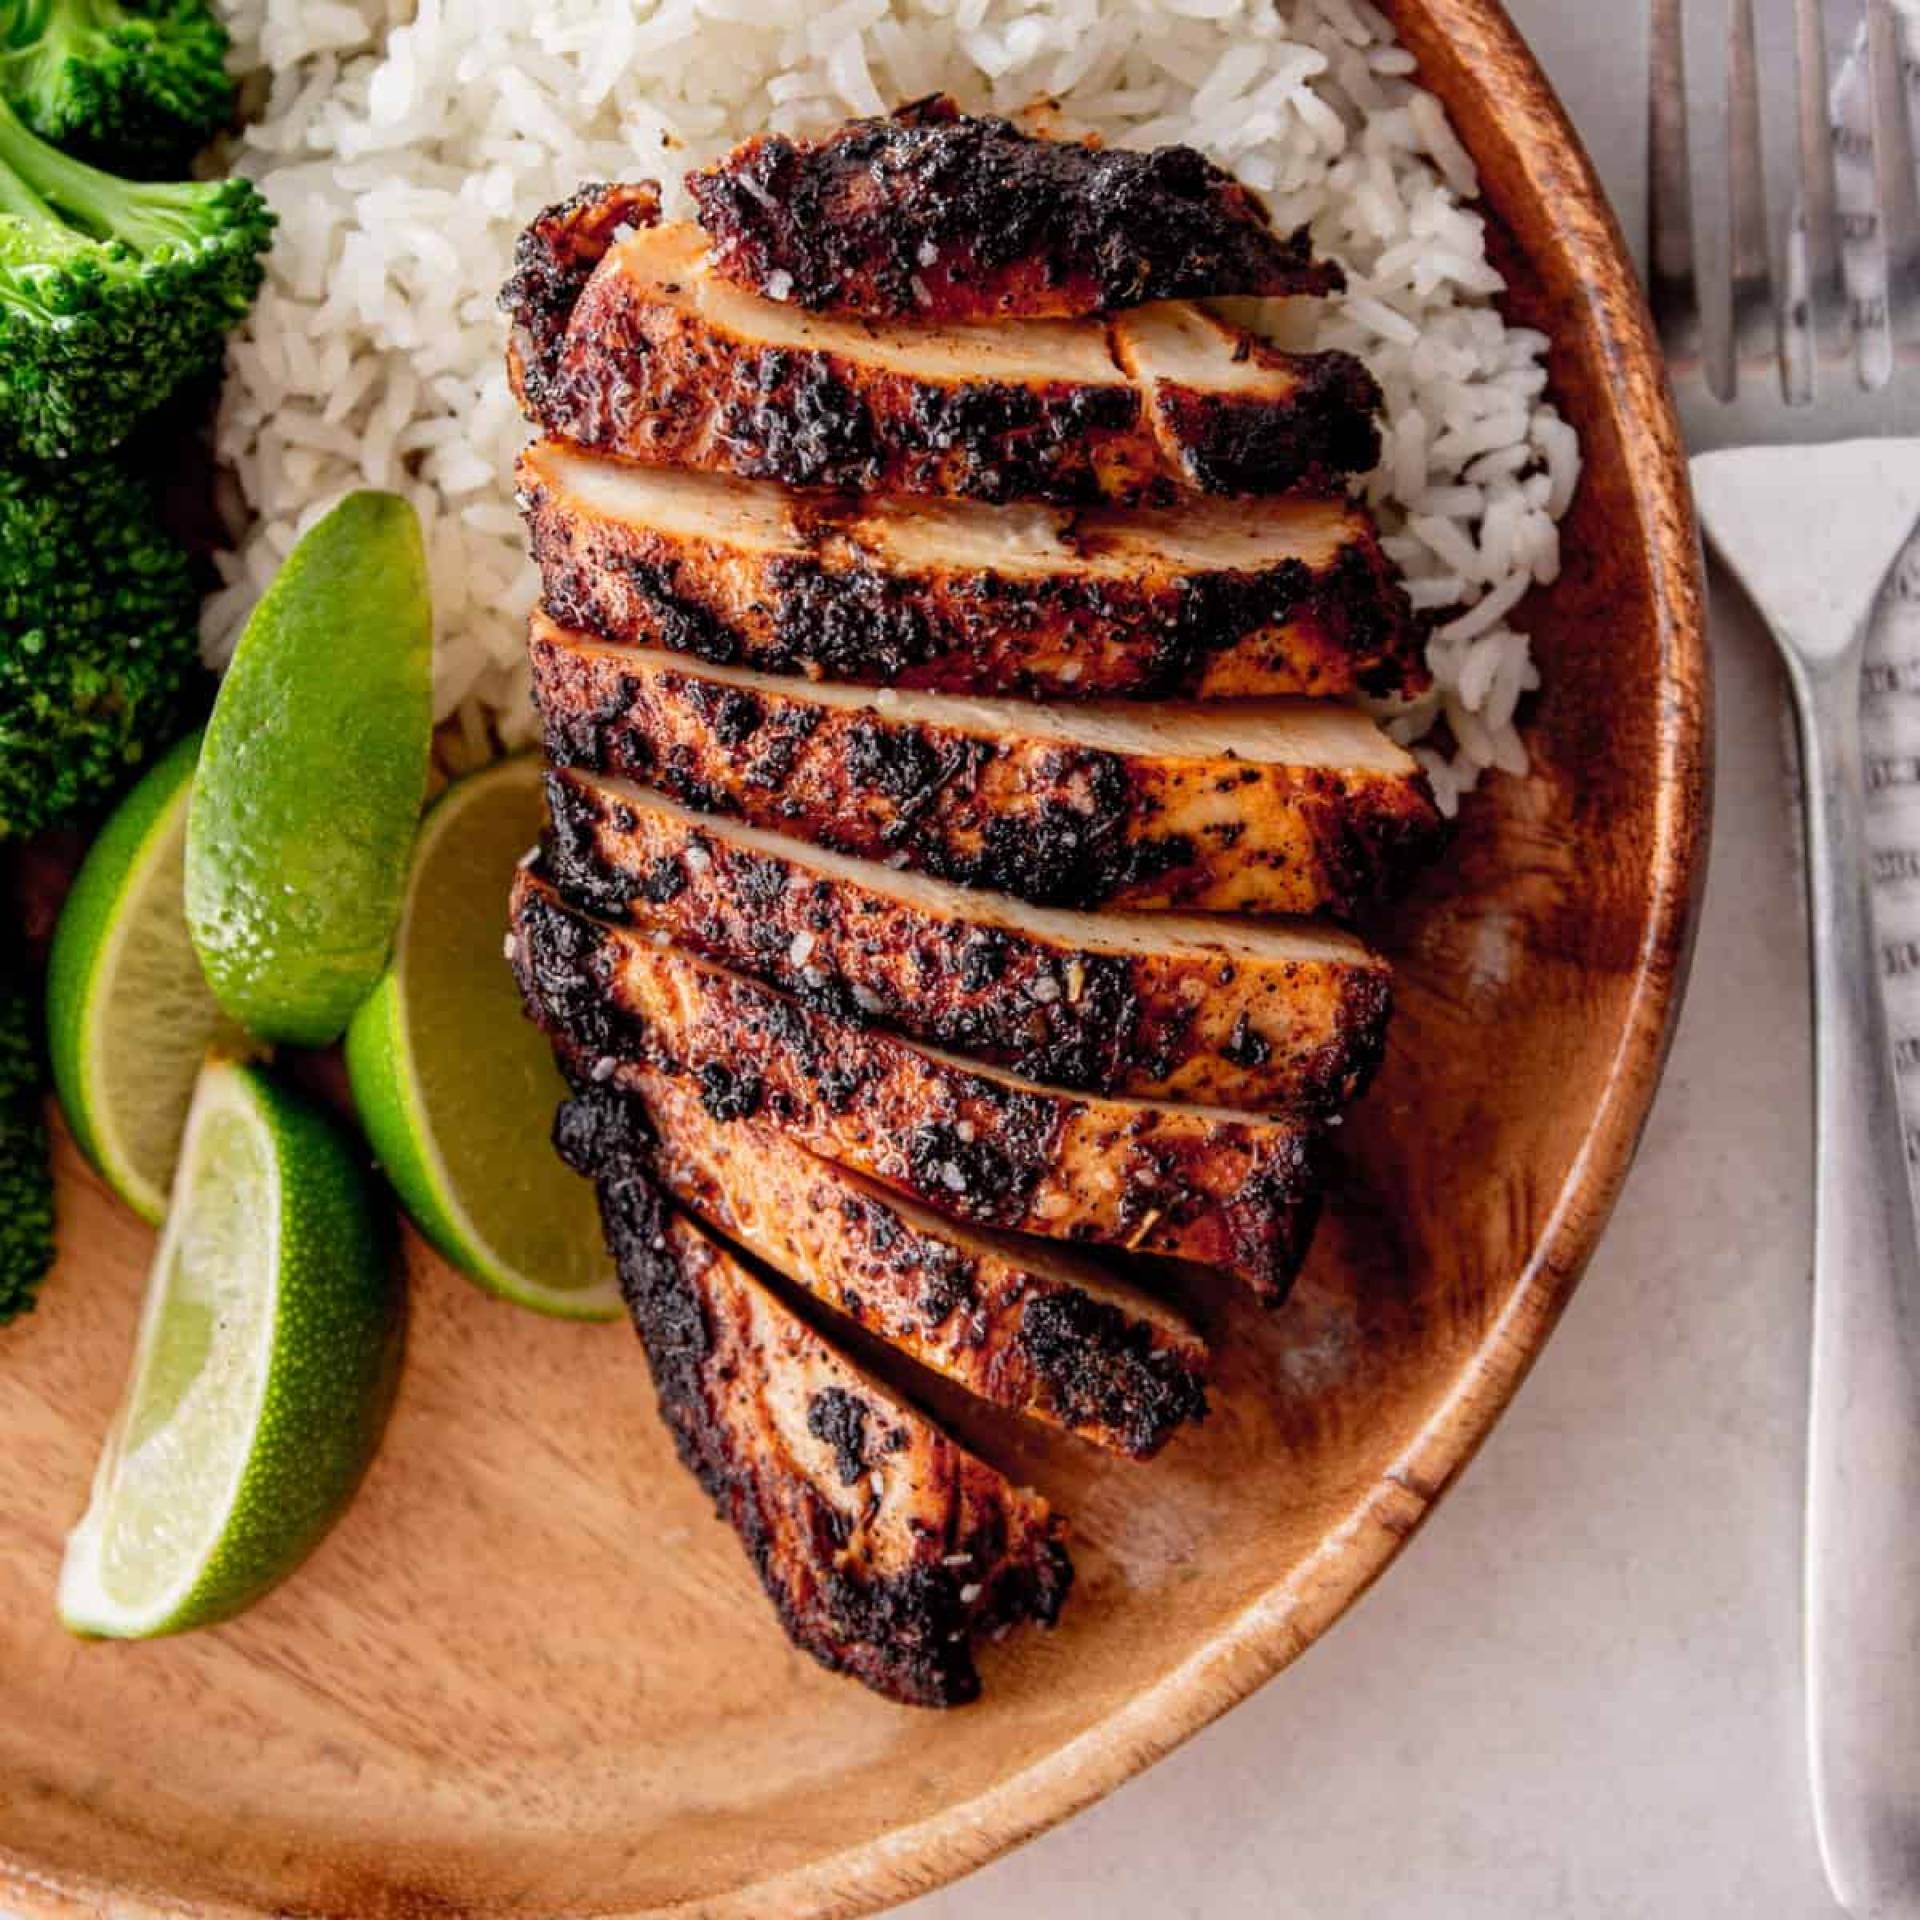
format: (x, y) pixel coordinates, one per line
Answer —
(141, 87)
(99, 660)
(112, 293)
(26, 1179)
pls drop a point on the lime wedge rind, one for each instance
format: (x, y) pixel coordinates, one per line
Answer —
(129, 1017)
(86, 1602)
(409, 1037)
(263, 1368)
(377, 1051)
(312, 776)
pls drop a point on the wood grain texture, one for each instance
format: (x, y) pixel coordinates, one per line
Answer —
(531, 1675)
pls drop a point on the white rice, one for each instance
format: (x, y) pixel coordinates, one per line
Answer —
(405, 142)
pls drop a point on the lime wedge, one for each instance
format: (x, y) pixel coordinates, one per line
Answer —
(310, 783)
(261, 1374)
(129, 1016)
(456, 1088)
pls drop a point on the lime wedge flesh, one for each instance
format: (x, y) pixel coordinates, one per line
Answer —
(129, 1013)
(310, 782)
(261, 1374)
(456, 1088)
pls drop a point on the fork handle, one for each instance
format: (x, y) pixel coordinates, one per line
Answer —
(1863, 1466)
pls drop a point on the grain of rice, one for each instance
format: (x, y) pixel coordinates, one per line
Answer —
(1483, 618)
(1383, 320)
(1436, 591)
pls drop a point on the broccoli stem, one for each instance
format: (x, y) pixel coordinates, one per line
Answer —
(26, 21)
(39, 182)
(75, 29)
(67, 26)
(16, 197)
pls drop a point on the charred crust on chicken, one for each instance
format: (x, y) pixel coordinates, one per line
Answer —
(932, 213)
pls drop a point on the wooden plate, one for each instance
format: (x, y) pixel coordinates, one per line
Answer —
(530, 1673)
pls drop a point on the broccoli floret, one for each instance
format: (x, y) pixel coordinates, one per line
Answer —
(140, 88)
(99, 657)
(26, 1178)
(111, 292)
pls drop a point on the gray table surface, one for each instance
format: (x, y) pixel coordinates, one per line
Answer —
(1577, 1694)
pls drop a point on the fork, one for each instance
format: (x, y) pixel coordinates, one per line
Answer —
(1811, 532)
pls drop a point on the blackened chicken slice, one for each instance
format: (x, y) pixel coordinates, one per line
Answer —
(934, 214)
(1238, 416)
(1269, 806)
(1205, 599)
(666, 363)
(1194, 1183)
(885, 1547)
(1019, 1323)
(1265, 1016)
(553, 260)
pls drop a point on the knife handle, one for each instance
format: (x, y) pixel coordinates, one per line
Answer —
(1863, 1461)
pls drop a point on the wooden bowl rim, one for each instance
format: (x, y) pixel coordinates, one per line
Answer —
(1276, 1627)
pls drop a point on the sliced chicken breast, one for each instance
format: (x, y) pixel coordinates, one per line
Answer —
(1233, 412)
(978, 1145)
(667, 363)
(1262, 806)
(1210, 598)
(932, 214)
(1264, 1016)
(1017, 1322)
(885, 1547)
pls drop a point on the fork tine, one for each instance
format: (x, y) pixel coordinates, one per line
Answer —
(1753, 334)
(1674, 287)
(1893, 181)
(1815, 310)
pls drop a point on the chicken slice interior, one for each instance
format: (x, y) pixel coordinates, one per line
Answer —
(1210, 535)
(1274, 732)
(671, 264)
(1180, 344)
(1285, 942)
